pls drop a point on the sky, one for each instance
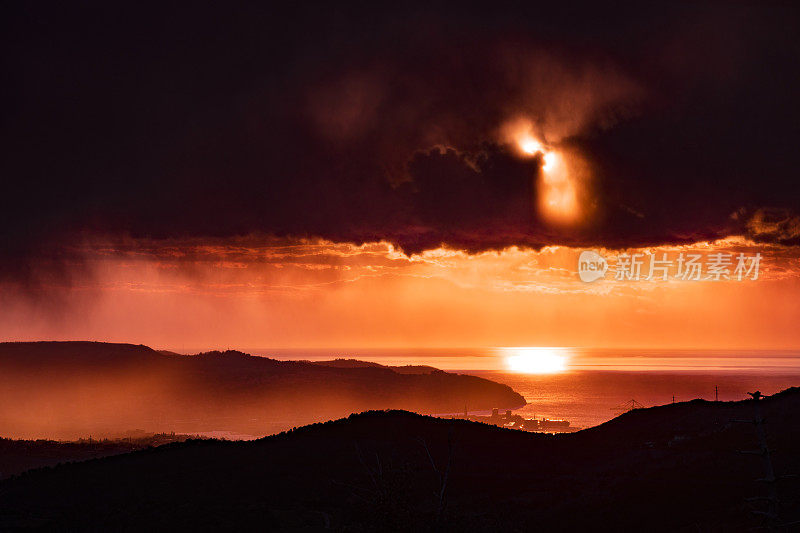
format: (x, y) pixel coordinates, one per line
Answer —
(417, 175)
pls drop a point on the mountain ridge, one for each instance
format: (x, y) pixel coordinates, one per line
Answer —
(73, 389)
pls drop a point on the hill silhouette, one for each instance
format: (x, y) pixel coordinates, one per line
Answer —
(355, 363)
(17, 456)
(671, 468)
(76, 389)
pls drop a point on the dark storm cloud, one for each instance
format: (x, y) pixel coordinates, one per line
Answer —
(353, 124)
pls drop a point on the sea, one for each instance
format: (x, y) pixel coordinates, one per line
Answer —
(595, 385)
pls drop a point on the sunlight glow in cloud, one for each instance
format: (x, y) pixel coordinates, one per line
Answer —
(557, 189)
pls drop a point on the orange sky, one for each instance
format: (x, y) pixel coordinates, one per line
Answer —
(261, 292)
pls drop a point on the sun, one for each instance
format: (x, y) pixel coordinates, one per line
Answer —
(535, 360)
(529, 145)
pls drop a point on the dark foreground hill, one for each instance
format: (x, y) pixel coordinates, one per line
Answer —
(17, 456)
(76, 389)
(670, 468)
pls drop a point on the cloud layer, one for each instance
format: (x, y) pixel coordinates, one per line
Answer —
(356, 125)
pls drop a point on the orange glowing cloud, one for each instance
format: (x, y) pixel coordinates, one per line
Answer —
(256, 292)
